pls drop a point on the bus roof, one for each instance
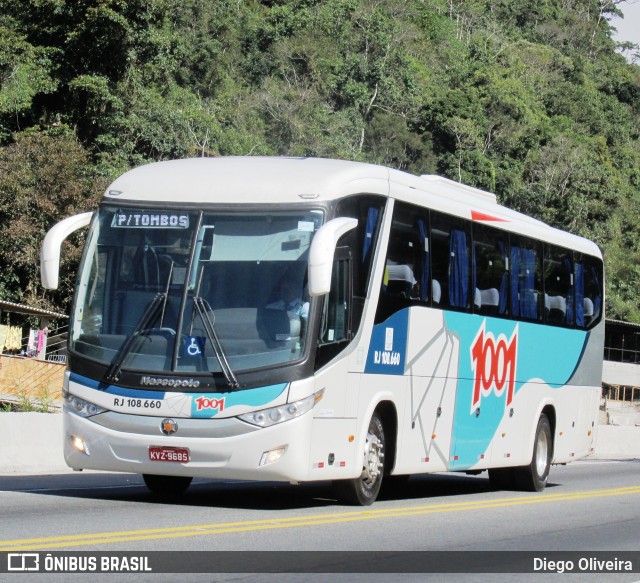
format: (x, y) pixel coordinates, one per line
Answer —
(249, 179)
(279, 180)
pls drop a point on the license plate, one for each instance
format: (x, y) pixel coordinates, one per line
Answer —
(169, 454)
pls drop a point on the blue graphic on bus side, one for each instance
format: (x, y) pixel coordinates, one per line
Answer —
(388, 347)
(497, 358)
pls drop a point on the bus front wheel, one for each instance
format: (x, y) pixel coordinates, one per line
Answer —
(363, 491)
(166, 486)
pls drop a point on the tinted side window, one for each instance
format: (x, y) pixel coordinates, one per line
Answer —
(558, 286)
(407, 265)
(335, 324)
(490, 270)
(588, 289)
(525, 279)
(451, 261)
(335, 320)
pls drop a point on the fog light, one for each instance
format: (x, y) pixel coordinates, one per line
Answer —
(79, 444)
(268, 457)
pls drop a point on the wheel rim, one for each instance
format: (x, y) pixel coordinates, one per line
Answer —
(373, 456)
(542, 453)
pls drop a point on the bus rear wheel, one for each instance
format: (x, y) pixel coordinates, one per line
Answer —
(166, 486)
(363, 490)
(533, 477)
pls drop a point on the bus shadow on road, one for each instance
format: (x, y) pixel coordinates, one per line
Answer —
(427, 486)
(237, 494)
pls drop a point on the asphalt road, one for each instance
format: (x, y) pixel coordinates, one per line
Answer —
(588, 506)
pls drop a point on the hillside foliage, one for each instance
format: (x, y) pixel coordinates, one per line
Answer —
(526, 99)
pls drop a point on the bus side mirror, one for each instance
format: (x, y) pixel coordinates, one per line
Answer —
(321, 253)
(50, 250)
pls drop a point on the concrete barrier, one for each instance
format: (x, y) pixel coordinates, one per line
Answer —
(622, 413)
(617, 442)
(33, 443)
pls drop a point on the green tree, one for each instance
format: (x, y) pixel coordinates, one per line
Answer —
(25, 72)
(529, 100)
(43, 179)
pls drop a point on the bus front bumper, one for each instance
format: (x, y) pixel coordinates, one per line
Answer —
(276, 453)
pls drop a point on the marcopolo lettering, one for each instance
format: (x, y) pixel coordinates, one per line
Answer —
(172, 383)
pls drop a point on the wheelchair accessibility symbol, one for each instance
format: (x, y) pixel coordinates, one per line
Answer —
(194, 346)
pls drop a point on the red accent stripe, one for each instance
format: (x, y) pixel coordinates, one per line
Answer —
(478, 216)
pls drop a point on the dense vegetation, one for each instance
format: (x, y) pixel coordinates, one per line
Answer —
(527, 99)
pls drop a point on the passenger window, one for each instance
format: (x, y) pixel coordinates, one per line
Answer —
(407, 265)
(558, 286)
(490, 270)
(525, 279)
(451, 259)
(588, 290)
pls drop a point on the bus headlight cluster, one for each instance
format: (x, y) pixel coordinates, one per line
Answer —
(74, 404)
(275, 415)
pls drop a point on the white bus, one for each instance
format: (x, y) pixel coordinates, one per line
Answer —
(306, 319)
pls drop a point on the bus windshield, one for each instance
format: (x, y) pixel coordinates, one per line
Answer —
(193, 291)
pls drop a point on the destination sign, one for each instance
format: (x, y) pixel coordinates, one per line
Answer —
(150, 220)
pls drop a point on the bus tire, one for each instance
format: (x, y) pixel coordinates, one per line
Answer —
(166, 486)
(363, 490)
(533, 478)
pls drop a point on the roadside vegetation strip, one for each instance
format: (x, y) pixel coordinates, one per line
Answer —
(75, 540)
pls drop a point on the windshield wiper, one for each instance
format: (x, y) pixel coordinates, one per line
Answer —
(113, 372)
(204, 309)
(160, 299)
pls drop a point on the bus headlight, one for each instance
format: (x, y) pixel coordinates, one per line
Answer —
(74, 404)
(268, 457)
(79, 444)
(275, 415)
